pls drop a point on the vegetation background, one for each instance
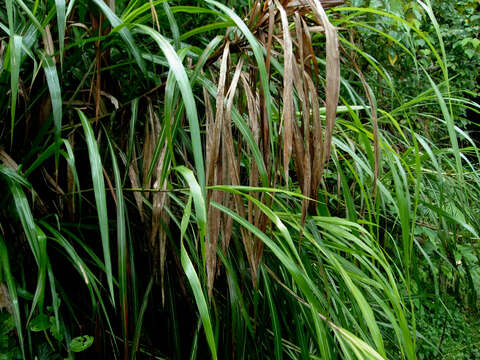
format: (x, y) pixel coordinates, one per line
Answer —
(242, 179)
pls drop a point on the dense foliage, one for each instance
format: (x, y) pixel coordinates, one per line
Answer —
(241, 179)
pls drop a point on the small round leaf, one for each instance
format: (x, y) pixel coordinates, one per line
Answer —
(81, 343)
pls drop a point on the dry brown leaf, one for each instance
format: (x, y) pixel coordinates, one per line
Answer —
(54, 184)
(154, 15)
(309, 48)
(332, 87)
(234, 167)
(213, 140)
(7, 160)
(254, 12)
(209, 117)
(253, 123)
(299, 154)
(48, 42)
(317, 141)
(148, 149)
(165, 217)
(271, 24)
(213, 213)
(304, 3)
(299, 39)
(214, 137)
(5, 302)
(294, 6)
(288, 110)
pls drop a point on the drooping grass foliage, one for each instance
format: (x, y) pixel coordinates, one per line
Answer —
(234, 179)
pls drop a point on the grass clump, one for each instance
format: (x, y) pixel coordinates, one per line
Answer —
(250, 179)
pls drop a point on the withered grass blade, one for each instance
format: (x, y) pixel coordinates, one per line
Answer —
(214, 138)
(332, 87)
(288, 110)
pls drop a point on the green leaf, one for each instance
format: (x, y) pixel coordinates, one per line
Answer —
(173, 25)
(121, 241)
(100, 197)
(43, 262)
(195, 282)
(32, 17)
(13, 176)
(55, 329)
(139, 322)
(199, 299)
(80, 343)
(55, 93)
(178, 70)
(198, 199)
(12, 289)
(40, 323)
(124, 32)
(15, 58)
(60, 6)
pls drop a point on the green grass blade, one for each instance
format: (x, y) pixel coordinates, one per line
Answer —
(42, 157)
(89, 278)
(198, 199)
(131, 13)
(13, 176)
(277, 335)
(190, 107)
(32, 17)
(55, 298)
(70, 6)
(205, 28)
(235, 291)
(70, 157)
(197, 291)
(173, 25)
(139, 324)
(61, 21)
(38, 297)
(100, 197)
(12, 289)
(193, 10)
(194, 347)
(123, 31)
(77, 260)
(15, 58)
(194, 281)
(365, 308)
(121, 246)
(11, 25)
(26, 218)
(55, 93)
(451, 128)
